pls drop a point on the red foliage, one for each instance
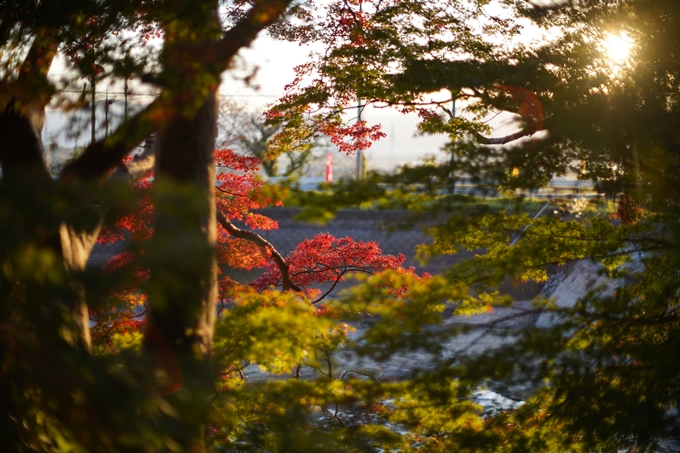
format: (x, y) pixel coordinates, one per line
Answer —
(629, 210)
(135, 223)
(529, 107)
(238, 190)
(350, 139)
(106, 327)
(323, 259)
(326, 259)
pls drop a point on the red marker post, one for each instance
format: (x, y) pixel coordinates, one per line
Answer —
(329, 167)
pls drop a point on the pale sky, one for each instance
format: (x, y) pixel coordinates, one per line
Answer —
(275, 61)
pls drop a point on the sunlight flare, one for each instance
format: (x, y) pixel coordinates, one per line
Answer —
(618, 47)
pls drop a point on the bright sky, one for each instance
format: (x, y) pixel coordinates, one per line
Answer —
(275, 61)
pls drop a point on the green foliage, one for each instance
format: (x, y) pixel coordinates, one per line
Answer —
(423, 189)
(329, 404)
(276, 331)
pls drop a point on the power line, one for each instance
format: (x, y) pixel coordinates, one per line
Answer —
(122, 93)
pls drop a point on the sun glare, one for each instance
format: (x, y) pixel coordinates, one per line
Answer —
(617, 48)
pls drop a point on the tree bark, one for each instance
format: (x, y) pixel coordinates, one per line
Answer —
(184, 267)
(24, 170)
(182, 291)
(505, 139)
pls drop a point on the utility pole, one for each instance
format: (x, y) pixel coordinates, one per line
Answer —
(360, 153)
(391, 150)
(93, 118)
(106, 113)
(125, 95)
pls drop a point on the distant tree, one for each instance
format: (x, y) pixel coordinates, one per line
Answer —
(245, 130)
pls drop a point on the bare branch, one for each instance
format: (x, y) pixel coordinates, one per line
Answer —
(330, 290)
(262, 242)
(362, 373)
(317, 369)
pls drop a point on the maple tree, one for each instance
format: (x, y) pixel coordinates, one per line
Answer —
(322, 259)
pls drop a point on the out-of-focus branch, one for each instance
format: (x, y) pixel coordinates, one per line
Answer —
(106, 153)
(262, 242)
(31, 88)
(23, 112)
(21, 151)
(138, 167)
(503, 140)
(261, 15)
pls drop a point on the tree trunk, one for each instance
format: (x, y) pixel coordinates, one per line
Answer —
(76, 247)
(25, 172)
(183, 272)
(183, 284)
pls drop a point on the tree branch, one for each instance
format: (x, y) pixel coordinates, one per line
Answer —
(23, 115)
(503, 140)
(260, 16)
(106, 153)
(21, 150)
(31, 86)
(140, 165)
(262, 242)
(330, 290)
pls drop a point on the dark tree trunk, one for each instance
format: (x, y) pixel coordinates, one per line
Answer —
(183, 266)
(24, 171)
(183, 283)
